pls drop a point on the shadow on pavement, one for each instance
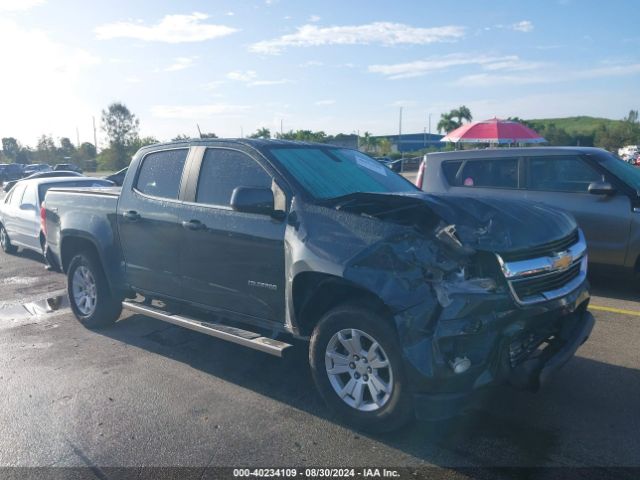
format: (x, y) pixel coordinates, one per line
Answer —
(618, 288)
(584, 416)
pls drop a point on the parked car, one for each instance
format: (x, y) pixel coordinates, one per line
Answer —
(20, 224)
(117, 177)
(395, 165)
(68, 167)
(47, 174)
(599, 189)
(10, 171)
(35, 168)
(411, 302)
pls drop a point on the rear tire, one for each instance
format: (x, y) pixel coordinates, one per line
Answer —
(5, 242)
(362, 382)
(89, 294)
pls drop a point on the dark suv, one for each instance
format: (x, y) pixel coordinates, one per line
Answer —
(10, 171)
(599, 189)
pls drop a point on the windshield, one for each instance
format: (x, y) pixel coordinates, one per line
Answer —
(623, 170)
(333, 172)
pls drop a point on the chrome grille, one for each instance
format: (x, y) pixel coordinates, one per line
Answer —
(542, 278)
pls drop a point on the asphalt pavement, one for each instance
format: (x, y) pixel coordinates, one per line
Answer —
(145, 393)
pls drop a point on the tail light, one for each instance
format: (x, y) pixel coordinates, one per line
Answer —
(420, 176)
(43, 219)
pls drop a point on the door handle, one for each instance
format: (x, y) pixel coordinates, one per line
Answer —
(194, 225)
(131, 215)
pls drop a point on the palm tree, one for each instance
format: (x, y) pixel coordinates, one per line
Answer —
(462, 113)
(261, 133)
(447, 123)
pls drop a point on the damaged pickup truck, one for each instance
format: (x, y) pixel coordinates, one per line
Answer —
(413, 304)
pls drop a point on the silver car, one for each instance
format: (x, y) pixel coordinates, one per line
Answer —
(599, 189)
(20, 210)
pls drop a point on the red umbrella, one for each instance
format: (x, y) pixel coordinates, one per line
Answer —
(493, 131)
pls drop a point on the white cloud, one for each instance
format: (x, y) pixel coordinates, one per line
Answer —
(133, 79)
(171, 29)
(43, 92)
(434, 64)
(239, 76)
(196, 111)
(264, 83)
(311, 63)
(250, 77)
(181, 63)
(555, 75)
(524, 26)
(322, 103)
(314, 18)
(379, 33)
(16, 5)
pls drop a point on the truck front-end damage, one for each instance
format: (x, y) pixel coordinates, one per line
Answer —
(479, 296)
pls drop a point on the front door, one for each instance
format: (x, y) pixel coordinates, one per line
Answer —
(562, 182)
(148, 223)
(231, 260)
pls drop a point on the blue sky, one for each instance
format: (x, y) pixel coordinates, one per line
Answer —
(337, 66)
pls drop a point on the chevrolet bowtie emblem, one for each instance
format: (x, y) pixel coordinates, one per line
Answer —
(562, 261)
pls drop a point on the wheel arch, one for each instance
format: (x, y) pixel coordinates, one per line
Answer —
(314, 294)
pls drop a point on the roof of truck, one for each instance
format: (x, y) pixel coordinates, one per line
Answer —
(256, 143)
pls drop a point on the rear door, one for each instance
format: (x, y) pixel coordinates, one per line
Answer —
(486, 177)
(27, 218)
(12, 210)
(234, 261)
(148, 223)
(563, 181)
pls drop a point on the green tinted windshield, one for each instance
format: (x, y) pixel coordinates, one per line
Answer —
(623, 170)
(332, 172)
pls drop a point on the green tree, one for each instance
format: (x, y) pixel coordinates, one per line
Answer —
(121, 127)
(67, 149)
(462, 113)
(384, 145)
(180, 137)
(46, 151)
(446, 123)
(261, 133)
(10, 148)
(304, 136)
(209, 135)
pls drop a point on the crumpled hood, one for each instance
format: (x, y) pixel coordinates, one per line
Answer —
(486, 224)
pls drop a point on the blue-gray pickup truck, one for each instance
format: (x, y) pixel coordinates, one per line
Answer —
(413, 304)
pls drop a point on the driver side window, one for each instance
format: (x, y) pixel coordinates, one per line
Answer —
(223, 170)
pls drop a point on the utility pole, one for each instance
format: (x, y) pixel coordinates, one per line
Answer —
(400, 131)
(95, 137)
(281, 120)
(241, 133)
(77, 137)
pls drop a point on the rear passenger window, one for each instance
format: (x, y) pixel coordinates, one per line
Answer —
(29, 197)
(561, 174)
(491, 173)
(161, 172)
(16, 197)
(223, 170)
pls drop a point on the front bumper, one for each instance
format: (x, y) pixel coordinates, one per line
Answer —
(504, 344)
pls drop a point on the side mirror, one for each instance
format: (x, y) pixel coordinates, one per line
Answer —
(601, 188)
(253, 200)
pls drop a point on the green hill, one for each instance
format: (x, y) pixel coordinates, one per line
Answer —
(582, 125)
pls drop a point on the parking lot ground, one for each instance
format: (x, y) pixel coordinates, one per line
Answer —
(145, 393)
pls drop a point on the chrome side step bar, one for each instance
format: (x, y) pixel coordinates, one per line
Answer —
(223, 332)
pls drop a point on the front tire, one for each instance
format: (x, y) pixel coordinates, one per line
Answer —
(89, 294)
(5, 242)
(356, 363)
